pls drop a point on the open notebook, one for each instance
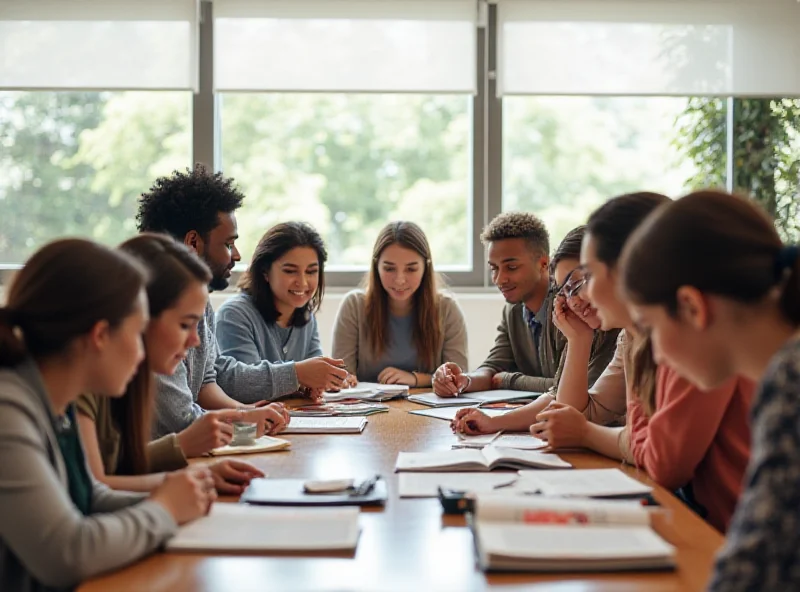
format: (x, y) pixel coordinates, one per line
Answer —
(478, 460)
(242, 527)
(516, 533)
(262, 444)
(476, 398)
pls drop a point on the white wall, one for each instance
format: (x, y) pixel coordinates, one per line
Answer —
(481, 311)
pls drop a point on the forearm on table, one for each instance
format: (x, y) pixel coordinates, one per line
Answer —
(604, 440)
(520, 420)
(480, 380)
(572, 389)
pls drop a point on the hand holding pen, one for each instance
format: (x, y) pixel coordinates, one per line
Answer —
(450, 381)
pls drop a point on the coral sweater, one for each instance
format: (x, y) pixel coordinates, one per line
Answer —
(698, 437)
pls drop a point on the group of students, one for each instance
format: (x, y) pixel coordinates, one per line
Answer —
(663, 333)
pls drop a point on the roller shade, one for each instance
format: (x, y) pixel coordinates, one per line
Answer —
(345, 45)
(99, 44)
(644, 47)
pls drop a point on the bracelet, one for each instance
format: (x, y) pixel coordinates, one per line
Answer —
(416, 378)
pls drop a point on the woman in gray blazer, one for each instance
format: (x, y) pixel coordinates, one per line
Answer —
(73, 324)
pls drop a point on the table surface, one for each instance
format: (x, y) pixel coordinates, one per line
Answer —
(408, 545)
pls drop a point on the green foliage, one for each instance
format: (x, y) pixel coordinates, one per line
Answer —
(766, 152)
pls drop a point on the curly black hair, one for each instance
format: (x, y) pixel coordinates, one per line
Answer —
(187, 201)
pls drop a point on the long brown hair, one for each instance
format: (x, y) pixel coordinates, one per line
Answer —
(277, 241)
(718, 243)
(611, 226)
(61, 293)
(427, 324)
(172, 268)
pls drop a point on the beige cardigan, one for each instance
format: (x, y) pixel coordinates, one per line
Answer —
(351, 340)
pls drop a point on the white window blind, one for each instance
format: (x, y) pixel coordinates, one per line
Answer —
(650, 47)
(99, 44)
(345, 45)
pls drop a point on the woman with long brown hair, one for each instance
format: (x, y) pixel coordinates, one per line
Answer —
(400, 328)
(116, 432)
(73, 323)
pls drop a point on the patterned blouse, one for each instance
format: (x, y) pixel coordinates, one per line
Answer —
(762, 551)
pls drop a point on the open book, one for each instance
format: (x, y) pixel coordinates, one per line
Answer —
(549, 534)
(262, 444)
(326, 425)
(242, 527)
(370, 391)
(478, 460)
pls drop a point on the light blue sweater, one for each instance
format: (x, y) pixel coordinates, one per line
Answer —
(243, 334)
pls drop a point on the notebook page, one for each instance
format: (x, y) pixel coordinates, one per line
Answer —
(501, 395)
(427, 484)
(494, 454)
(584, 483)
(420, 461)
(449, 413)
(245, 527)
(571, 542)
(434, 400)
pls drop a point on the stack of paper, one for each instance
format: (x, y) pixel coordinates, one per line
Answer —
(326, 425)
(370, 391)
(584, 483)
(242, 527)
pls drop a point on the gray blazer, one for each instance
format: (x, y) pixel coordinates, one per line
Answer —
(45, 541)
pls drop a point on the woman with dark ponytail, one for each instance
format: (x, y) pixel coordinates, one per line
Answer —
(709, 278)
(72, 324)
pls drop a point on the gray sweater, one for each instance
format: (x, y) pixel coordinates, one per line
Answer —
(243, 334)
(45, 541)
(351, 338)
(176, 395)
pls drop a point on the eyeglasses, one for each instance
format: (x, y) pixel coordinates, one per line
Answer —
(574, 282)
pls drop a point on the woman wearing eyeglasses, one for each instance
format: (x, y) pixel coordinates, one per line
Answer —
(693, 442)
(566, 274)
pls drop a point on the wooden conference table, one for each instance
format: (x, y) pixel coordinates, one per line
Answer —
(409, 545)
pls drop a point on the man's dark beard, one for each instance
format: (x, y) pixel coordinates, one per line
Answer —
(218, 283)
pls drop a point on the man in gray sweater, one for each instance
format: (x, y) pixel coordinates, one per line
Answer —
(198, 208)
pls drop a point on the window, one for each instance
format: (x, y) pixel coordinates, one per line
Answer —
(564, 156)
(348, 164)
(74, 163)
(352, 113)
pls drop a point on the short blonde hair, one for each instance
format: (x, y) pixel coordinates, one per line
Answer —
(518, 225)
